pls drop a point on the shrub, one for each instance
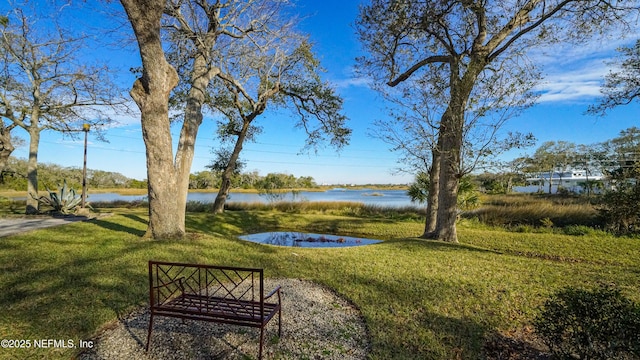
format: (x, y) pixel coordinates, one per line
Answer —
(546, 222)
(127, 204)
(65, 201)
(198, 206)
(523, 228)
(621, 209)
(578, 230)
(590, 324)
(537, 211)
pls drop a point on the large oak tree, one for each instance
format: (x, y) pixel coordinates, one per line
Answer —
(460, 42)
(198, 33)
(281, 75)
(412, 128)
(151, 92)
(194, 30)
(237, 56)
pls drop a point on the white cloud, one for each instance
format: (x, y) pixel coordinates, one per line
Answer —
(571, 73)
(579, 82)
(352, 82)
(124, 118)
(574, 73)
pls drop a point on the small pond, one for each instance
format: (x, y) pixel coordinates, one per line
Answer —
(298, 239)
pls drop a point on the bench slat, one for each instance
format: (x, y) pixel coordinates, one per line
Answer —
(218, 307)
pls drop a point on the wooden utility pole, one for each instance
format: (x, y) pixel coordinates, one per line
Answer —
(85, 128)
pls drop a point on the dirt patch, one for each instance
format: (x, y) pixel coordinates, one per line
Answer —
(521, 344)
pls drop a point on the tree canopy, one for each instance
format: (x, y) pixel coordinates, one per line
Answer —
(46, 86)
(240, 58)
(622, 86)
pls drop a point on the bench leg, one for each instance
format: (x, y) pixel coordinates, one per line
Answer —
(279, 315)
(280, 321)
(261, 341)
(149, 332)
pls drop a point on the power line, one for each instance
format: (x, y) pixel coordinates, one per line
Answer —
(246, 160)
(316, 164)
(265, 151)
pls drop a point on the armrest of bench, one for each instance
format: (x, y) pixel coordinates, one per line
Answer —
(273, 292)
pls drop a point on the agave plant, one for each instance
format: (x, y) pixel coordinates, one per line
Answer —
(64, 201)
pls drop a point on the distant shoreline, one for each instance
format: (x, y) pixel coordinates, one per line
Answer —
(128, 191)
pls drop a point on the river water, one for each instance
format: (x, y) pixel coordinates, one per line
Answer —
(391, 198)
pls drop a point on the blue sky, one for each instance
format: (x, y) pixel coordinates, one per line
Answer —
(572, 79)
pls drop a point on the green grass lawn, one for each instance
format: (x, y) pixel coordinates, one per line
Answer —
(420, 299)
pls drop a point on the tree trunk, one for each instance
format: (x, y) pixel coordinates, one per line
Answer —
(32, 169)
(225, 186)
(450, 146)
(200, 78)
(451, 134)
(151, 94)
(166, 220)
(432, 201)
(6, 148)
(559, 182)
(586, 184)
(223, 194)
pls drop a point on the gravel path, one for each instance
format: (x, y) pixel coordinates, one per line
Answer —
(316, 324)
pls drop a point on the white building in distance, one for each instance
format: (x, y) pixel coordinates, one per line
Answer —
(572, 181)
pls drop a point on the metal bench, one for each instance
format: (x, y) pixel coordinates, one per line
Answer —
(222, 294)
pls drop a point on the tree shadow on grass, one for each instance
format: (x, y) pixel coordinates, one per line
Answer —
(114, 226)
(431, 317)
(522, 345)
(463, 336)
(136, 218)
(406, 243)
(70, 290)
(418, 331)
(466, 338)
(231, 223)
(77, 284)
(344, 227)
(335, 226)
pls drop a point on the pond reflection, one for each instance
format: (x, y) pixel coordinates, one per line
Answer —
(299, 239)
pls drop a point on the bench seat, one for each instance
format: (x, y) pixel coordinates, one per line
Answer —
(198, 307)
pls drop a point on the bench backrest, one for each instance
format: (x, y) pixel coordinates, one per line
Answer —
(169, 280)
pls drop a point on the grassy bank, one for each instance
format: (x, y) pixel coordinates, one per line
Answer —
(536, 211)
(420, 299)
